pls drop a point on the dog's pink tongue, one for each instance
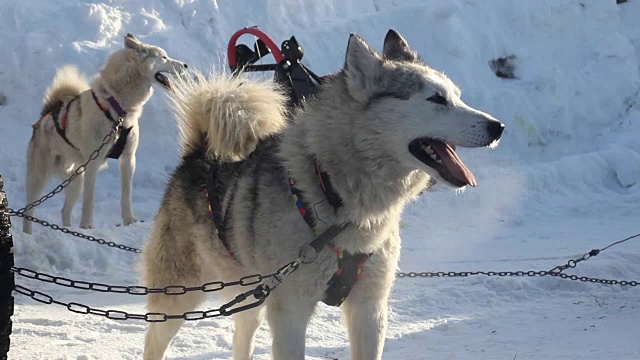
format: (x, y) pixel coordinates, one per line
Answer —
(453, 163)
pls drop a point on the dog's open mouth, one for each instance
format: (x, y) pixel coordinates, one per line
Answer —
(163, 80)
(442, 157)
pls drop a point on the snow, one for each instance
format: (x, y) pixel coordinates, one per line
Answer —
(564, 180)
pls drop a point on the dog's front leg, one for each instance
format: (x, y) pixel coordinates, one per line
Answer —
(365, 308)
(127, 168)
(90, 175)
(288, 316)
(367, 323)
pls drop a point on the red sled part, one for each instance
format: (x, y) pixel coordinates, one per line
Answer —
(261, 35)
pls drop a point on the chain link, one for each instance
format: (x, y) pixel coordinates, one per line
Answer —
(556, 271)
(225, 310)
(79, 170)
(259, 294)
(529, 273)
(64, 230)
(136, 289)
(574, 262)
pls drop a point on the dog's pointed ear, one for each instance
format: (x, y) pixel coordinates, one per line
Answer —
(397, 48)
(362, 67)
(131, 42)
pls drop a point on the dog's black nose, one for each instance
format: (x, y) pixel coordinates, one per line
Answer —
(495, 129)
(185, 65)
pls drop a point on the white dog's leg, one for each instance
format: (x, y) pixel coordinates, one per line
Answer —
(367, 324)
(71, 195)
(38, 172)
(90, 175)
(159, 335)
(246, 325)
(127, 168)
(288, 318)
(365, 308)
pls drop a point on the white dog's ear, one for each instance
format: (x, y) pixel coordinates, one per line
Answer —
(397, 48)
(131, 42)
(362, 67)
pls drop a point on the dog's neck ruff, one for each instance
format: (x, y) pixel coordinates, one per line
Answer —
(123, 133)
(349, 265)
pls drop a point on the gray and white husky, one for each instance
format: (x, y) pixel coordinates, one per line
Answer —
(380, 131)
(77, 116)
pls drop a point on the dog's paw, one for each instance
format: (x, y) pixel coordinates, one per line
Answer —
(86, 226)
(129, 221)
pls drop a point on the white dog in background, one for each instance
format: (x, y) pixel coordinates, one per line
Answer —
(76, 117)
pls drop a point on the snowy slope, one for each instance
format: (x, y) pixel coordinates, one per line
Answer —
(563, 181)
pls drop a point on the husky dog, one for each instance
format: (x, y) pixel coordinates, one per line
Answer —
(76, 117)
(381, 130)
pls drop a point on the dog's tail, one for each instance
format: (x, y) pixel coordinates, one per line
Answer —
(227, 115)
(68, 83)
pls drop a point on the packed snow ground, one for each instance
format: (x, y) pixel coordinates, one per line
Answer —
(563, 181)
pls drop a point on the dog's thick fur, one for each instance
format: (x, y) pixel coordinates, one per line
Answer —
(127, 75)
(358, 126)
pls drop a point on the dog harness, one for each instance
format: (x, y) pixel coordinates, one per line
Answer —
(218, 183)
(59, 123)
(123, 133)
(299, 78)
(349, 265)
(222, 180)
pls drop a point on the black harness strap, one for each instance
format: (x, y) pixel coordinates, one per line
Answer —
(343, 280)
(61, 124)
(332, 196)
(215, 191)
(117, 148)
(123, 133)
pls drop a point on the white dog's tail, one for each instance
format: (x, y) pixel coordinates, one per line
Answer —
(226, 115)
(68, 83)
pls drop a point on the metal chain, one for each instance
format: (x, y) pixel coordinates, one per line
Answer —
(595, 280)
(79, 170)
(531, 273)
(259, 293)
(136, 289)
(307, 255)
(224, 310)
(574, 262)
(556, 271)
(64, 230)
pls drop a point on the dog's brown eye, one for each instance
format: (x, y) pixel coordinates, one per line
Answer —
(164, 57)
(438, 99)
